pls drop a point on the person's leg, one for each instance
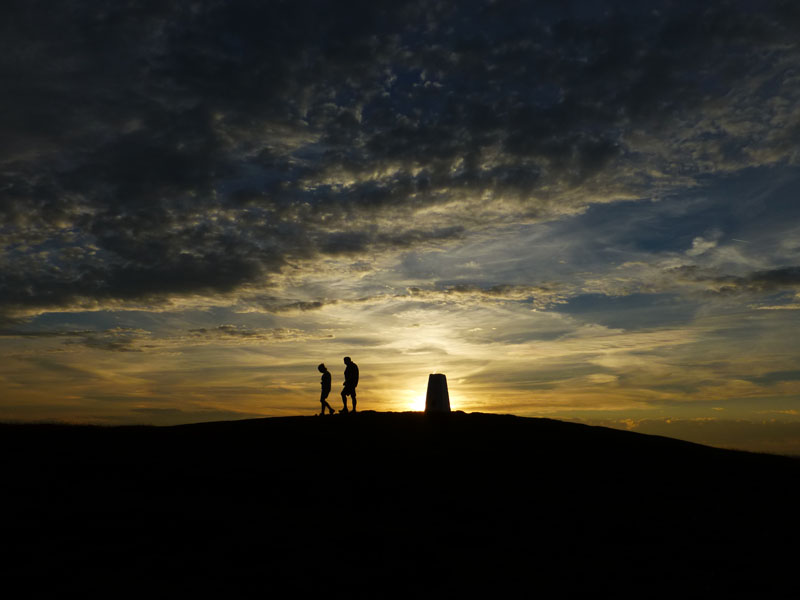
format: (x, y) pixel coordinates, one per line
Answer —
(353, 397)
(323, 400)
(344, 401)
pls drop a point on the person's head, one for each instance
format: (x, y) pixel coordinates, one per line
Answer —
(321, 367)
(347, 360)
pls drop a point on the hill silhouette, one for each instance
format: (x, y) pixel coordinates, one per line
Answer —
(392, 504)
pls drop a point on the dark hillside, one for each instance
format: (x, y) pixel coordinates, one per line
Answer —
(392, 504)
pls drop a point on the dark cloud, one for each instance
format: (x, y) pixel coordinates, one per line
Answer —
(113, 341)
(773, 279)
(13, 333)
(159, 149)
(537, 296)
(119, 339)
(774, 377)
(274, 304)
(767, 281)
(236, 332)
(503, 291)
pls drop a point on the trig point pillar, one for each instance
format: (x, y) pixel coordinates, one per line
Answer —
(437, 400)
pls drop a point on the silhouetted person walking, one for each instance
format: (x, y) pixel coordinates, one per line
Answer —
(350, 383)
(326, 388)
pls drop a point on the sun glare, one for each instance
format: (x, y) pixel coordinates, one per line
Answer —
(414, 400)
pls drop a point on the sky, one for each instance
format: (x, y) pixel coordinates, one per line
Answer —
(576, 210)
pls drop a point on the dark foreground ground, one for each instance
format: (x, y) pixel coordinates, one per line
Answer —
(392, 504)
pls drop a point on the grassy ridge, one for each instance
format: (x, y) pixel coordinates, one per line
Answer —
(386, 504)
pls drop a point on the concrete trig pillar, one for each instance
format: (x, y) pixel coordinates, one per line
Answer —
(437, 399)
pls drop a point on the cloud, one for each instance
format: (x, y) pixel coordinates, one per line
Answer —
(115, 340)
(251, 335)
(118, 339)
(154, 152)
(794, 306)
(536, 296)
(700, 246)
(757, 282)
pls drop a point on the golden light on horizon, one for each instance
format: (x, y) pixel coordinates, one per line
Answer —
(416, 401)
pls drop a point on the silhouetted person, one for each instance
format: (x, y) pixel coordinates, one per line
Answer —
(326, 389)
(350, 383)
